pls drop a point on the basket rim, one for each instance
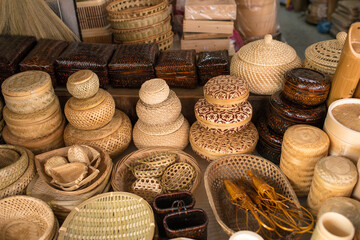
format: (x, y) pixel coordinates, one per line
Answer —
(132, 11)
(116, 20)
(158, 38)
(167, 19)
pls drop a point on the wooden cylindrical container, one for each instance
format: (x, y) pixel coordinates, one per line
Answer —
(342, 124)
(303, 146)
(333, 177)
(347, 73)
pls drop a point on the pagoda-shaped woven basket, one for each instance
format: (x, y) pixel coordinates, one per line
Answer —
(262, 64)
(324, 56)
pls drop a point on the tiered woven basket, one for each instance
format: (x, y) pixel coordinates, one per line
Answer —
(161, 122)
(32, 113)
(93, 119)
(141, 21)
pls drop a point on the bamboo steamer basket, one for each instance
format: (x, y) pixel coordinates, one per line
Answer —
(28, 92)
(154, 91)
(333, 177)
(234, 168)
(125, 9)
(302, 147)
(38, 145)
(91, 113)
(344, 141)
(165, 112)
(140, 223)
(262, 64)
(113, 138)
(34, 125)
(83, 84)
(174, 135)
(24, 217)
(211, 144)
(324, 56)
(13, 163)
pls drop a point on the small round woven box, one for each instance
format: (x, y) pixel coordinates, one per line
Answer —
(83, 84)
(226, 90)
(211, 144)
(154, 91)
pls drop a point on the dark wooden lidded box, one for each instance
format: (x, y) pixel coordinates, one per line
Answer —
(212, 64)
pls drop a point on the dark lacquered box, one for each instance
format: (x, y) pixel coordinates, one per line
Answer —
(212, 64)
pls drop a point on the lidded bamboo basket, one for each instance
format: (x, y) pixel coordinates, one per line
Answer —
(154, 91)
(324, 56)
(83, 84)
(262, 64)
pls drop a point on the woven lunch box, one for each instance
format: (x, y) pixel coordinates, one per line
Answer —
(91, 113)
(34, 125)
(210, 144)
(133, 64)
(37, 145)
(14, 49)
(154, 91)
(83, 84)
(177, 68)
(212, 64)
(19, 186)
(174, 134)
(42, 57)
(79, 55)
(324, 56)
(125, 9)
(282, 114)
(24, 217)
(113, 138)
(28, 92)
(87, 219)
(262, 64)
(234, 168)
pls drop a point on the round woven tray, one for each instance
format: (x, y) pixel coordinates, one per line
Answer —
(13, 164)
(122, 177)
(87, 220)
(24, 217)
(113, 138)
(83, 84)
(154, 91)
(234, 168)
(18, 187)
(92, 113)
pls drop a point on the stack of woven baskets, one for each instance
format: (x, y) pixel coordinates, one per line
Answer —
(161, 122)
(32, 113)
(223, 124)
(93, 119)
(141, 21)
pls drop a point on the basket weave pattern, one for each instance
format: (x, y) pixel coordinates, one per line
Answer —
(125, 9)
(83, 84)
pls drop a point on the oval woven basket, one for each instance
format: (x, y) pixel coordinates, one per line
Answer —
(127, 9)
(83, 84)
(122, 178)
(127, 217)
(234, 168)
(24, 217)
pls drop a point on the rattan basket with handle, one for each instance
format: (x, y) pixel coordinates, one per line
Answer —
(114, 215)
(234, 168)
(24, 217)
(127, 9)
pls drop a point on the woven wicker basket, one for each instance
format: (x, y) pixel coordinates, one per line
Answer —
(154, 91)
(127, 217)
(234, 168)
(83, 84)
(23, 217)
(113, 138)
(128, 9)
(91, 113)
(122, 177)
(13, 163)
(19, 186)
(92, 14)
(104, 167)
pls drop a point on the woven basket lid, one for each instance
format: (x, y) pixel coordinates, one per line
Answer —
(80, 77)
(161, 129)
(26, 83)
(226, 90)
(83, 84)
(267, 52)
(154, 91)
(326, 53)
(337, 170)
(88, 103)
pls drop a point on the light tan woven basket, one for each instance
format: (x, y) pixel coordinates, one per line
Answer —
(92, 13)
(234, 168)
(83, 84)
(122, 177)
(92, 113)
(113, 138)
(14, 161)
(128, 9)
(154, 91)
(23, 217)
(127, 217)
(19, 186)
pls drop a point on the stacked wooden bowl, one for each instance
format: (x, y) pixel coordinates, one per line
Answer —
(32, 113)
(141, 21)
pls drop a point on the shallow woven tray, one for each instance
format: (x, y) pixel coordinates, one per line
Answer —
(233, 168)
(128, 9)
(127, 217)
(122, 177)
